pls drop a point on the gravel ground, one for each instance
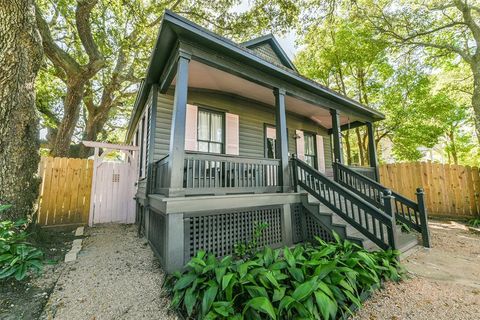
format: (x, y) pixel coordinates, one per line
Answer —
(116, 276)
(444, 283)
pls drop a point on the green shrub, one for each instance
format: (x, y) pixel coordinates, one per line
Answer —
(17, 256)
(310, 282)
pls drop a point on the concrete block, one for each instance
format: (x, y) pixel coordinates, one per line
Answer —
(77, 243)
(71, 256)
(79, 231)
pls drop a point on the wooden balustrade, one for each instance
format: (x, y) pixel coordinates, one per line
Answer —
(224, 174)
(217, 174)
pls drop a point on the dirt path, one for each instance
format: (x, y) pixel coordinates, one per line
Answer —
(444, 283)
(116, 276)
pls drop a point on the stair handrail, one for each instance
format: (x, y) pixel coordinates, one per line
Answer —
(379, 219)
(400, 204)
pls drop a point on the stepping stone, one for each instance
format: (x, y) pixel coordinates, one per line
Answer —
(71, 256)
(79, 231)
(77, 243)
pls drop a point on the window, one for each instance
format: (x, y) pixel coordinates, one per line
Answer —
(142, 146)
(310, 154)
(270, 142)
(210, 136)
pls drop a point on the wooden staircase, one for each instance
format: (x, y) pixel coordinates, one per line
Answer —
(332, 221)
(364, 215)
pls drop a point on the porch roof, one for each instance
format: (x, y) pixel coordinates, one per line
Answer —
(174, 28)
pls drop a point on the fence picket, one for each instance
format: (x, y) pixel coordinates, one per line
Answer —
(450, 190)
(64, 191)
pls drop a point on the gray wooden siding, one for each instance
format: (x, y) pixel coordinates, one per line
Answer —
(253, 118)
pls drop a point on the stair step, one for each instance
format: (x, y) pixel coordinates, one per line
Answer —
(337, 223)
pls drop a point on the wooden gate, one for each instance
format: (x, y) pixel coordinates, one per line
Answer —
(65, 191)
(113, 188)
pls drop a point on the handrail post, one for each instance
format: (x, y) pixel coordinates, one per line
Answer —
(388, 205)
(423, 218)
(294, 172)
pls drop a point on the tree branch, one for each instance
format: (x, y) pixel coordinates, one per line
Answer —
(82, 20)
(58, 56)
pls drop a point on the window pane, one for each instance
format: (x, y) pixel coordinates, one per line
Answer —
(202, 146)
(216, 133)
(271, 148)
(310, 160)
(203, 125)
(215, 147)
(309, 145)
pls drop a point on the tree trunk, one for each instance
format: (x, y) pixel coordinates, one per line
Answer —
(94, 126)
(361, 151)
(20, 58)
(453, 146)
(346, 137)
(72, 105)
(476, 101)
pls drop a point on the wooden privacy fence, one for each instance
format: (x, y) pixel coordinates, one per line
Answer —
(65, 191)
(450, 190)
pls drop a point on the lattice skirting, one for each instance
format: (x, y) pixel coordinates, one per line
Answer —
(218, 232)
(306, 227)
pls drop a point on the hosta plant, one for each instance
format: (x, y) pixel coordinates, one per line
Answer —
(318, 281)
(17, 255)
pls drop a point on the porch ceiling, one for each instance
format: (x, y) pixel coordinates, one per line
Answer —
(202, 76)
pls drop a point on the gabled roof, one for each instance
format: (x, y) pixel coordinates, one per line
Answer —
(175, 27)
(269, 42)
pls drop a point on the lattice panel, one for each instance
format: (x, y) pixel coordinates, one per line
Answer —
(296, 210)
(218, 233)
(314, 228)
(302, 219)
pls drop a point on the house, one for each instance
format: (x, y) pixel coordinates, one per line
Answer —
(231, 135)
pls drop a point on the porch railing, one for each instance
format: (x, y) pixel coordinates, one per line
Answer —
(216, 174)
(159, 175)
(413, 214)
(206, 173)
(365, 217)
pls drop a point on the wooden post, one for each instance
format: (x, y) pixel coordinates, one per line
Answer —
(281, 139)
(423, 218)
(94, 186)
(294, 172)
(337, 139)
(388, 200)
(372, 150)
(174, 246)
(151, 142)
(177, 133)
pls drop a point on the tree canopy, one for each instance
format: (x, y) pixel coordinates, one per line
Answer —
(416, 61)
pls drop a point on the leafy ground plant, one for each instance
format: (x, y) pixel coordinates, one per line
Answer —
(320, 281)
(475, 223)
(17, 256)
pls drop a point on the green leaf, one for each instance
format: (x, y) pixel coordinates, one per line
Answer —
(226, 280)
(190, 300)
(297, 274)
(269, 275)
(323, 270)
(261, 304)
(184, 281)
(208, 298)
(325, 304)
(285, 304)
(304, 290)
(219, 273)
(289, 257)
(256, 291)
(278, 294)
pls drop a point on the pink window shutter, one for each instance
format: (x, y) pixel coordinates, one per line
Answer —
(320, 154)
(232, 132)
(300, 144)
(191, 128)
